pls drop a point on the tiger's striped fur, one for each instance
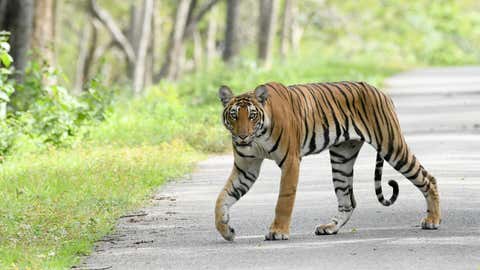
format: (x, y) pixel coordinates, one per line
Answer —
(286, 123)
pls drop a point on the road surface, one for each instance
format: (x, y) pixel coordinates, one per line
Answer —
(439, 110)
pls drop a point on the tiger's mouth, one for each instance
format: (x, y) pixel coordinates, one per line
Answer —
(243, 143)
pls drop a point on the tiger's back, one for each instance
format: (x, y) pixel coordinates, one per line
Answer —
(325, 114)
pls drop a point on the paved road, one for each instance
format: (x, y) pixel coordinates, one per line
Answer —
(443, 129)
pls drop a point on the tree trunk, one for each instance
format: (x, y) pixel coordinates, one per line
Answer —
(186, 20)
(296, 31)
(286, 28)
(133, 33)
(135, 26)
(197, 50)
(43, 36)
(193, 20)
(211, 39)
(3, 12)
(266, 31)
(173, 61)
(150, 62)
(114, 30)
(191, 9)
(83, 43)
(139, 73)
(87, 48)
(18, 20)
(136, 45)
(232, 47)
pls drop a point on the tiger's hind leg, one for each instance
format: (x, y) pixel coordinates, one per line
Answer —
(407, 164)
(342, 158)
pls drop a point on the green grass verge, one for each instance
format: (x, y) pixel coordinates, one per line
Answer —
(55, 204)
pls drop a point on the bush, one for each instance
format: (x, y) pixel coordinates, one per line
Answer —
(43, 113)
(7, 133)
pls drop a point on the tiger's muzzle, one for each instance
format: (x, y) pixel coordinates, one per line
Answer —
(242, 140)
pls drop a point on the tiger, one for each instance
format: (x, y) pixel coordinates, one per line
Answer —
(285, 123)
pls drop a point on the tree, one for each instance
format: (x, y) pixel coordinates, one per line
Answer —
(211, 39)
(296, 30)
(43, 35)
(197, 49)
(146, 31)
(194, 17)
(285, 33)
(135, 53)
(266, 33)
(172, 65)
(87, 48)
(17, 18)
(187, 17)
(232, 46)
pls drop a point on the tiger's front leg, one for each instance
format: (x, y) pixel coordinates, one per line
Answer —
(244, 174)
(280, 228)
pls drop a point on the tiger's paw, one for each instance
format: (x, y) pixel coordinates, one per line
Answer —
(227, 232)
(326, 229)
(278, 231)
(430, 223)
(272, 236)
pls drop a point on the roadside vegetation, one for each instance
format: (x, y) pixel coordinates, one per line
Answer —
(72, 162)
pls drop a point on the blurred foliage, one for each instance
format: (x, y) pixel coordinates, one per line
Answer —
(444, 32)
(415, 33)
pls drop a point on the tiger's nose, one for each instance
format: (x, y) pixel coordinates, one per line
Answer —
(243, 137)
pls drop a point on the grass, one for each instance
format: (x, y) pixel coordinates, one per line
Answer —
(55, 204)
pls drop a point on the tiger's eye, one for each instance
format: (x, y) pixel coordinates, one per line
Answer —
(233, 114)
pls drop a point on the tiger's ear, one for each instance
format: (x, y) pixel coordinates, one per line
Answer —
(261, 94)
(225, 94)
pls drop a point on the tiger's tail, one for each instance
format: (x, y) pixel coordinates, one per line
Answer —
(378, 184)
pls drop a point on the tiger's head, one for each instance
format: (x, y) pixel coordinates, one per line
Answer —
(244, 115)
